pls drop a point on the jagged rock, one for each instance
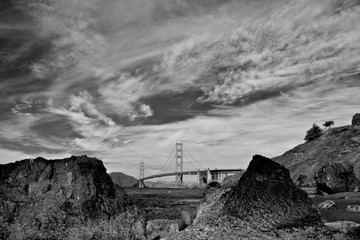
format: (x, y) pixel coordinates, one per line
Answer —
(346, 227)
(124, 180)
(336, 177)
(44, 199)
(232, 180)
(353, 208)
(326, 205)
(265, 204)
(267, 197)
(161, 228)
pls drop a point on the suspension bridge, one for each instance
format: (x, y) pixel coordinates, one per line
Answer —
(176, 159)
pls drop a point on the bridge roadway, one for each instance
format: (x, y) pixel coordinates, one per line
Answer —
(201, 172)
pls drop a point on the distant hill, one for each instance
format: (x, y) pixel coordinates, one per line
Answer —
(124, 180)
(337, 149)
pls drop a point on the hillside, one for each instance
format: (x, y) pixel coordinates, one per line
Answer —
(124, 180)
(336, 147)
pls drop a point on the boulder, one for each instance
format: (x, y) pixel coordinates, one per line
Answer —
(353, 208)
(326, 205)
(214, 185)
(53, 199)
(336, 177)
(267, 197)
(161, 228)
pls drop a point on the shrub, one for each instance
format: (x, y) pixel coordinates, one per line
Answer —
(328, 124)
(313, 133)
(356, 120)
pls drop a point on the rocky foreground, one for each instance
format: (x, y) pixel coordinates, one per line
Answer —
(265, 204)
(73, 198)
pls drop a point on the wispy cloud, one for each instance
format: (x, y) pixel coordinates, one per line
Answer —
(229, 78)
(95, 128)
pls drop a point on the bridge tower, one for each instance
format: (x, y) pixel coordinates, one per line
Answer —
(179, 163)
(142, 174)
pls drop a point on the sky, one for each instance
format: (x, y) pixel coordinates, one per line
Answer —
(124, 81)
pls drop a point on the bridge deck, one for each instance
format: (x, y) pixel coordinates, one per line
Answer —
(192, 173)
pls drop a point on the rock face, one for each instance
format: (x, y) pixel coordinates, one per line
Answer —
(336, 177)
(52, 199)
(341, 144)
(265, 204)
(124, 180)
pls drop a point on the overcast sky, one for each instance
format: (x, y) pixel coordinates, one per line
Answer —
(124, 80)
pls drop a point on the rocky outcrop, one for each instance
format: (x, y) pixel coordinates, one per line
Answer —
(341, 144)
(327, 205)
(52, 199)
(161, 228)
(124, 180)
(336, 177)
(231, 180)
(353, 208)
(265, 204)
(268, 199)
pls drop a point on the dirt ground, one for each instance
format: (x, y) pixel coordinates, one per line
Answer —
(167, 203)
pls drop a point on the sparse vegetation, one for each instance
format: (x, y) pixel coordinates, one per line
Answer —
(313, 133)
(301, 179)
(328, 124)
(356, 120)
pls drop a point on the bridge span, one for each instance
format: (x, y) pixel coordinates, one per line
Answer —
(203, 176)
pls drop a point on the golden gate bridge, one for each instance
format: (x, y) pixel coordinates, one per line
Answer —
(176, 159)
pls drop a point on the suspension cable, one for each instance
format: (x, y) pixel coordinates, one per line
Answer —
(171, 154)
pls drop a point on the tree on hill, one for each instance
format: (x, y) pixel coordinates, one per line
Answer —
(313, 133)
(328, 124)
(356, 120)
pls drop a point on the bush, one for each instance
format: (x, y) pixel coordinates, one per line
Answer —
(313, 133)
(328, 124)
(356, 120)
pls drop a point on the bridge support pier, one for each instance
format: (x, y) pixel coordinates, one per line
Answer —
(209, 177)
(198, 178)
(141, 184)
(179, 163)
